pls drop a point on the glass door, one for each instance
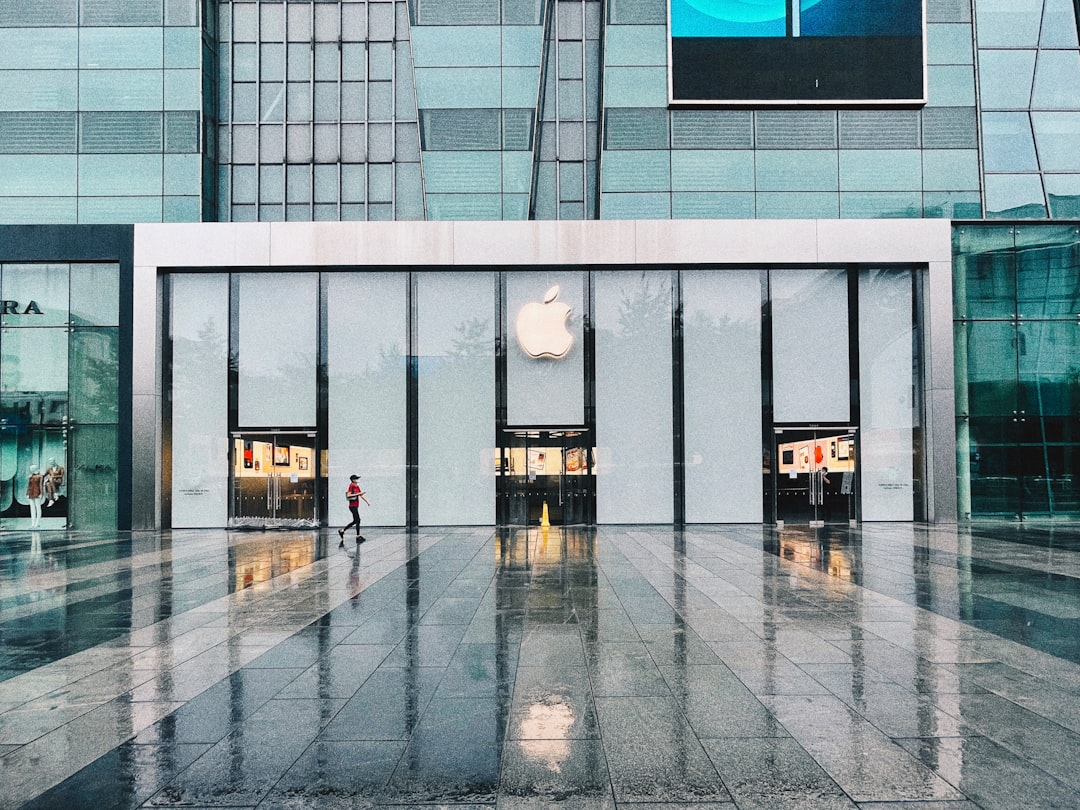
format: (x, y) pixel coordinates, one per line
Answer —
(546, 474)
(273, 480)
(815, 476)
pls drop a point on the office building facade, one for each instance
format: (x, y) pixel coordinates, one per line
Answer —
(840, 286)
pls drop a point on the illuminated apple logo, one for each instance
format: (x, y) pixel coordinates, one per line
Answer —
(541, 328)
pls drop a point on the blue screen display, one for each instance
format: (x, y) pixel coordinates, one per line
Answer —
(797, 51)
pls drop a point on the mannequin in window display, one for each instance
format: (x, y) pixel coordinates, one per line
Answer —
(54, 479)
(34, 494)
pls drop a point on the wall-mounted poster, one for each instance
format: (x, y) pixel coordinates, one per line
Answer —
(536, 460)
(281, 456)
(783, 52)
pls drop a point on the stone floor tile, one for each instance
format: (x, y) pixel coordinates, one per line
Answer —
(937, 669)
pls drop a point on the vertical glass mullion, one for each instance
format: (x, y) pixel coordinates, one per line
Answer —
(311, 95)
(558, 107)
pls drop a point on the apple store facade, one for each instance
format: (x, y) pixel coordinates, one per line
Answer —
(477, 373)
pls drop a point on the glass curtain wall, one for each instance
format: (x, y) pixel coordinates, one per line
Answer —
(722, 395)
(1029, 72)
(887, 361)
(632, 312)
(810, 345)
(199, 333)
(317, 112)
(59, 395)
(100, 111)
(366, 355)
(455, 354)
(545, 363)
(1017, 305)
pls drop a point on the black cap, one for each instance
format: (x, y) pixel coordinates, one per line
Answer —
(353, 477)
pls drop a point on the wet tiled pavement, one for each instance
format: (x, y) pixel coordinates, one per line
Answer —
(891, 667)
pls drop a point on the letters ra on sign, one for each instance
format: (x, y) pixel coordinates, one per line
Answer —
(11, 307)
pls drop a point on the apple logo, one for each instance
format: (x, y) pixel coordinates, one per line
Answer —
(541, 328)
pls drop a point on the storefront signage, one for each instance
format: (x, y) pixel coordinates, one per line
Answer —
(797, 52)
(541, 327)
(11, 307)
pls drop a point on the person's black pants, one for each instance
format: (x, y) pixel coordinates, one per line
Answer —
(355, 519)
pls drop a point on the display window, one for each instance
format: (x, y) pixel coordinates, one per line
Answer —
(59, 384)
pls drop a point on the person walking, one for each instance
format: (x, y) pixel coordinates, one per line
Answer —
(354, 494)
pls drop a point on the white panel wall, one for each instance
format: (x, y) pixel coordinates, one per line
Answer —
(634, 470)
(545, 390)
(200, 425)
(811, 379)
(366, 367)
(722, 395)
(455, 335)
(885, 389)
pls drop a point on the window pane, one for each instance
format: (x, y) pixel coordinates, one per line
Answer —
(95, 295)
(634, 461)
(34, 295)
(722, 318)
(277, 377)
(95, 359)
(366, 346)
(543, 391)
(200, 364)
(885, 394)
(455, 315)
(34, 376)
(1008, 143)
(1005, 79)
(801, 396)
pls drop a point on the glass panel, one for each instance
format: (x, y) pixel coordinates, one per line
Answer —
(34, 376)
(1008, 144)
(277, 348)
(1063, 192)
(1055, 134)
(722, 401)
(797, 170)
(366, 366)
(94, 464)
(95, 294)
(1057, 72)
(1014, 195)
(1049, 368)
(994, 465)
(545, 358)
(34, 461)
(273, 479)
(1005, 79)
(1008, 23)
(1048, 282)
(991, 368)
(200, 360)
(634, 463)
(885, 394)
(34, 295)
(455, 315)
(810, 320)
(95, 372)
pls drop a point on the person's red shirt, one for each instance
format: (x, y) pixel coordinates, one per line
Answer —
(353, 493)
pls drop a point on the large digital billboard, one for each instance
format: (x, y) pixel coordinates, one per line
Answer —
(797, 52)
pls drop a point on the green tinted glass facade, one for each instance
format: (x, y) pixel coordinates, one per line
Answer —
(101, 106)
(1029, 69)
(59, 395)
(1017, 299)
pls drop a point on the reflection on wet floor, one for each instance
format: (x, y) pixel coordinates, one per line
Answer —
(885, 666)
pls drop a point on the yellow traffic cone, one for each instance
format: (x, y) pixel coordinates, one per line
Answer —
(544, 517)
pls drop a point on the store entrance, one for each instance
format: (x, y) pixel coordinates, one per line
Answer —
(273, 480)
(546, 475)
(815, 476)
